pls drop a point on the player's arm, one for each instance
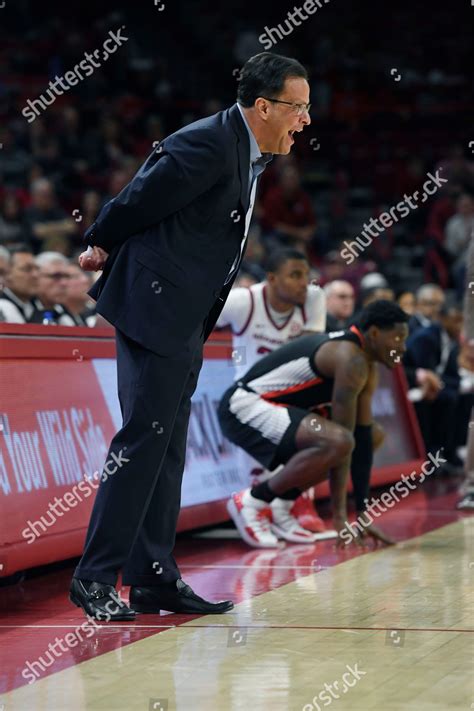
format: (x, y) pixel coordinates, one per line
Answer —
(363, 454)
(315, 310)
(364, 402)
(351, 375)
(188, 165)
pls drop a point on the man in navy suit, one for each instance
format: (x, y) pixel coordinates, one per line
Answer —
(429, 301)
(170, 245)
(434, 350)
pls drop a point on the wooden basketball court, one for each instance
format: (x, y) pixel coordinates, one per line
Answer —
(387, 630)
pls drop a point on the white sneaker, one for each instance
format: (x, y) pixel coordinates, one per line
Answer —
(286, 526)
(252, 518)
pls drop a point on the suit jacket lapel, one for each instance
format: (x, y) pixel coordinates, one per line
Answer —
(243, 149)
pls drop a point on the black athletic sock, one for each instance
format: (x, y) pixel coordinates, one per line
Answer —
(291, 495)
(264, 493)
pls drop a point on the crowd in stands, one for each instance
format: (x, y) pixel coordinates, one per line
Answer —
(47, 288)
(440, 385)
(371, 141)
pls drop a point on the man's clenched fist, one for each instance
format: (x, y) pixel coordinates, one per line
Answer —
(93, 259)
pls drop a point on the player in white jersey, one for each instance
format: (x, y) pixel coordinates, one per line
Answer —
(266, 316)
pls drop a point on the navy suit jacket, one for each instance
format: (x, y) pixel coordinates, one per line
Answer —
(172, 234)
(414, 324)
(424, 351)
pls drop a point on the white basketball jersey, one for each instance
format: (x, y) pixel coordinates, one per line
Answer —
(258, 329)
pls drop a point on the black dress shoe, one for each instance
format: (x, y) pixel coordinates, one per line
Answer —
(174, 597)
(99, 601)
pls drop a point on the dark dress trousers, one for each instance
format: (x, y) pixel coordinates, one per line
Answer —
(437, 417)
(172, 235)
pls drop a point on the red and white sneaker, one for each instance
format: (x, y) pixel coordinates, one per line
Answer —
(303, 509)
(286, 526)
(252, 519)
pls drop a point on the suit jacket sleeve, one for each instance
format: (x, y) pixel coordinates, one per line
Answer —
(422, 352)
(451, 377)
(189, 164)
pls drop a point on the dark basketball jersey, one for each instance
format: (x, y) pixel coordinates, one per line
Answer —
(288, 376)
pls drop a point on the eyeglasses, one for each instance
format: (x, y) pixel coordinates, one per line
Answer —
(57, 276)
(299, 109)
(28, 268)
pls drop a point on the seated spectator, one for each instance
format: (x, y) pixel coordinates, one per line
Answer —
(437, 264)
(406, 300)
(52, 290)
(376, 293)
(71, 140)
(429, 301)
(335, 267)
(371, 294)
(120, 178)
(15, 162)
(50, 226)
(459, 230)
(372, 281)
(340, 301)
(77, 301)
(431, 365)
(254, 256)
(457, 169)
(288, 217)
(13, 227)
(442, 208)
(21, 286)
(90, 208)
(49, 158)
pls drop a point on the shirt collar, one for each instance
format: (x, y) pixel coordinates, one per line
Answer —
(13, 297)
(255, 152)
(57, 308)
(425, 322)
(25, 307)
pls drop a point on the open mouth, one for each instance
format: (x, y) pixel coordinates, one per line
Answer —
(291, 133)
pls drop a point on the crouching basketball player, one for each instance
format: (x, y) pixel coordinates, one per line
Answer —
(271, 412)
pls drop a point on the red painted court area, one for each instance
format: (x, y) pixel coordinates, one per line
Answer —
(37, 611)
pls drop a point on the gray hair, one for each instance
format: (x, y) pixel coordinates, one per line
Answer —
(425, 290)
(329, 287)
(45, 258)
